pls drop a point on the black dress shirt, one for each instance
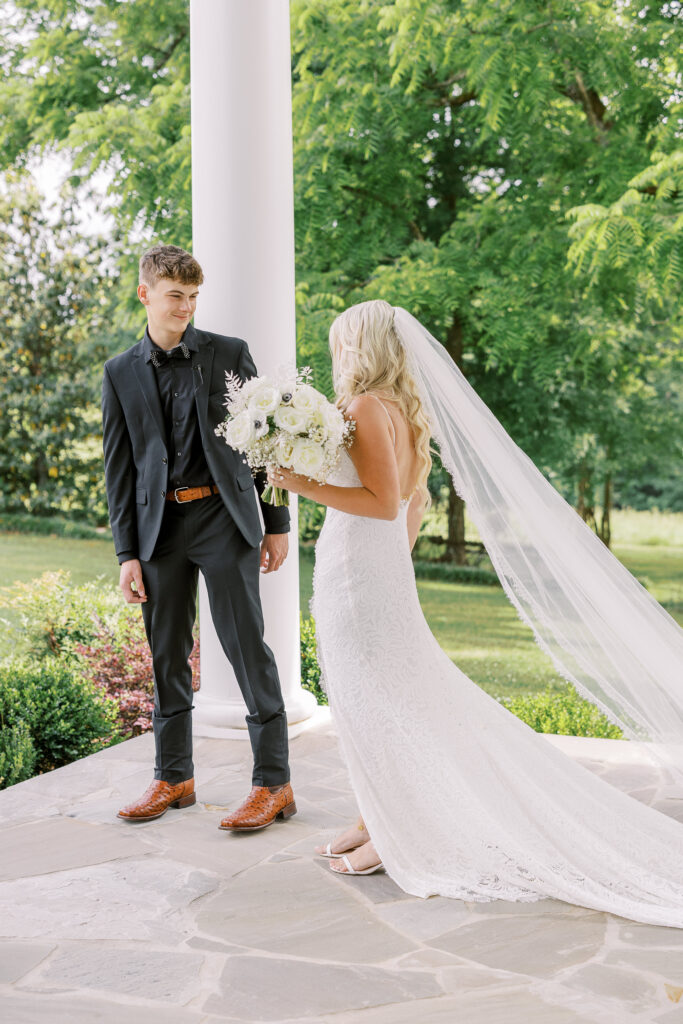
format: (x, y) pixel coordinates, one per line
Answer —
(187, 465)
(176, 382)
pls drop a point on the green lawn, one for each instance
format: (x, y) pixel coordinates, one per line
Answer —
(23, 556)
(476, 625)
(480, 630)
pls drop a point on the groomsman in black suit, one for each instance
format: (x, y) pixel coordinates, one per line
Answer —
(180, 502)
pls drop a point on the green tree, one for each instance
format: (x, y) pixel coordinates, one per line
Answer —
(639, 235)
(55, 293)
(109, 83)
(439, 149)
(443, 152)
(630, 401)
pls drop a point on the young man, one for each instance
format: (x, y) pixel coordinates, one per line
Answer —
(181, 501)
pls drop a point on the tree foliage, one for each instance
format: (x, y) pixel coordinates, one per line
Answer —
(510, 172)
(55, 293)
(441, 150)
(110, 83)
(638, 238)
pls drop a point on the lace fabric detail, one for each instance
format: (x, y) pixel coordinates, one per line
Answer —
(461, 797)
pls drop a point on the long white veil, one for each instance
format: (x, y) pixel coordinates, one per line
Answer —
(603, 631)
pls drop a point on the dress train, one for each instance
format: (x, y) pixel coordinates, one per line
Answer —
(462, 798)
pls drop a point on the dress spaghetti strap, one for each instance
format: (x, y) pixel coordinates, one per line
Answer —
(386, 411)
(393, 430)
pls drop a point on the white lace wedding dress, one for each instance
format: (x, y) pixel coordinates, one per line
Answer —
(460, 796)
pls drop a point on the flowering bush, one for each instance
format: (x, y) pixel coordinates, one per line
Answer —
(120, 664)
(101, 639)
(84, 677)
(55, 615)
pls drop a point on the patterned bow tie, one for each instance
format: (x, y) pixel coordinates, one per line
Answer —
(159, 357)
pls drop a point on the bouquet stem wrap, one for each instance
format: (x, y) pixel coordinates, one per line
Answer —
(275, 496)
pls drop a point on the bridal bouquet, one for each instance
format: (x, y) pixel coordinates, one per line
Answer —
(284, 422)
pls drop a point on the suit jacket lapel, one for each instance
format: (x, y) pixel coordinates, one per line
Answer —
(147, 380)
(202, 361)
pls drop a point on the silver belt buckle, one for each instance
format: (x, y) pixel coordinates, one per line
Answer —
(176, 492)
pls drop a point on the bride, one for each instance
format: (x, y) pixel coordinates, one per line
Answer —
(458, 796)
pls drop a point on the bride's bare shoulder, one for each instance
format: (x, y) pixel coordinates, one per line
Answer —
(365, 405)
(369, 414)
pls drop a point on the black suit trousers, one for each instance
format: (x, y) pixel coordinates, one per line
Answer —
(201, 536)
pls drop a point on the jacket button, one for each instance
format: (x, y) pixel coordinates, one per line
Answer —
(163, 494)
(164, 461)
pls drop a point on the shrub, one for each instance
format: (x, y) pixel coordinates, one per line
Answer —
(119, 663)
(55, 615)
(563, 712)
(22, 522)
(310, 669)
(67, 717)
(447, 572)
(311, 519)
(17, 754)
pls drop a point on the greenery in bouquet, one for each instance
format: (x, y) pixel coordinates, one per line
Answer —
(284, 421)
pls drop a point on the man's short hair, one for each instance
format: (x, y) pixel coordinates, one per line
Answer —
(169, 261)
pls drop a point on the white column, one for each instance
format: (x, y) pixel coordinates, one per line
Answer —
(243, 236)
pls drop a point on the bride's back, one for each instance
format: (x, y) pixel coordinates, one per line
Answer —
(407, 459)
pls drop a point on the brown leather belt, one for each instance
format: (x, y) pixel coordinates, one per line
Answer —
(183, 494)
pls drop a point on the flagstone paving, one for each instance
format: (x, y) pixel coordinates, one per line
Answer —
(176, 922)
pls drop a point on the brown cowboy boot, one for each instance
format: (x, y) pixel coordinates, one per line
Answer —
(157, 798)
(260, 809)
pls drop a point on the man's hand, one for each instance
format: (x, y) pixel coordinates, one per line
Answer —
(274, 548)
(131, 583)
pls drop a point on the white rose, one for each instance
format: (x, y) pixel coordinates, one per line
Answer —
(308, 457)
(239, 433)
(307, 399)
(285, 450)
(237, 405)
(251, 386)
(290, 419)
(265, 400)
(333, 419)
(316, 418)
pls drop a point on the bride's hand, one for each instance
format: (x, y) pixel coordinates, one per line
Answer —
(286, 479)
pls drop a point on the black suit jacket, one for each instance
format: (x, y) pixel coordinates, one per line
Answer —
(134, 441)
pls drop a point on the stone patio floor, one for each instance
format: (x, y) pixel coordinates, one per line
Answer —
(176, 922)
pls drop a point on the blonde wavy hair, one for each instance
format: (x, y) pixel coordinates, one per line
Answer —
(368, 357)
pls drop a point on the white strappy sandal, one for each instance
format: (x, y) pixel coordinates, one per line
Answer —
(338, 856)
(352, 871)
